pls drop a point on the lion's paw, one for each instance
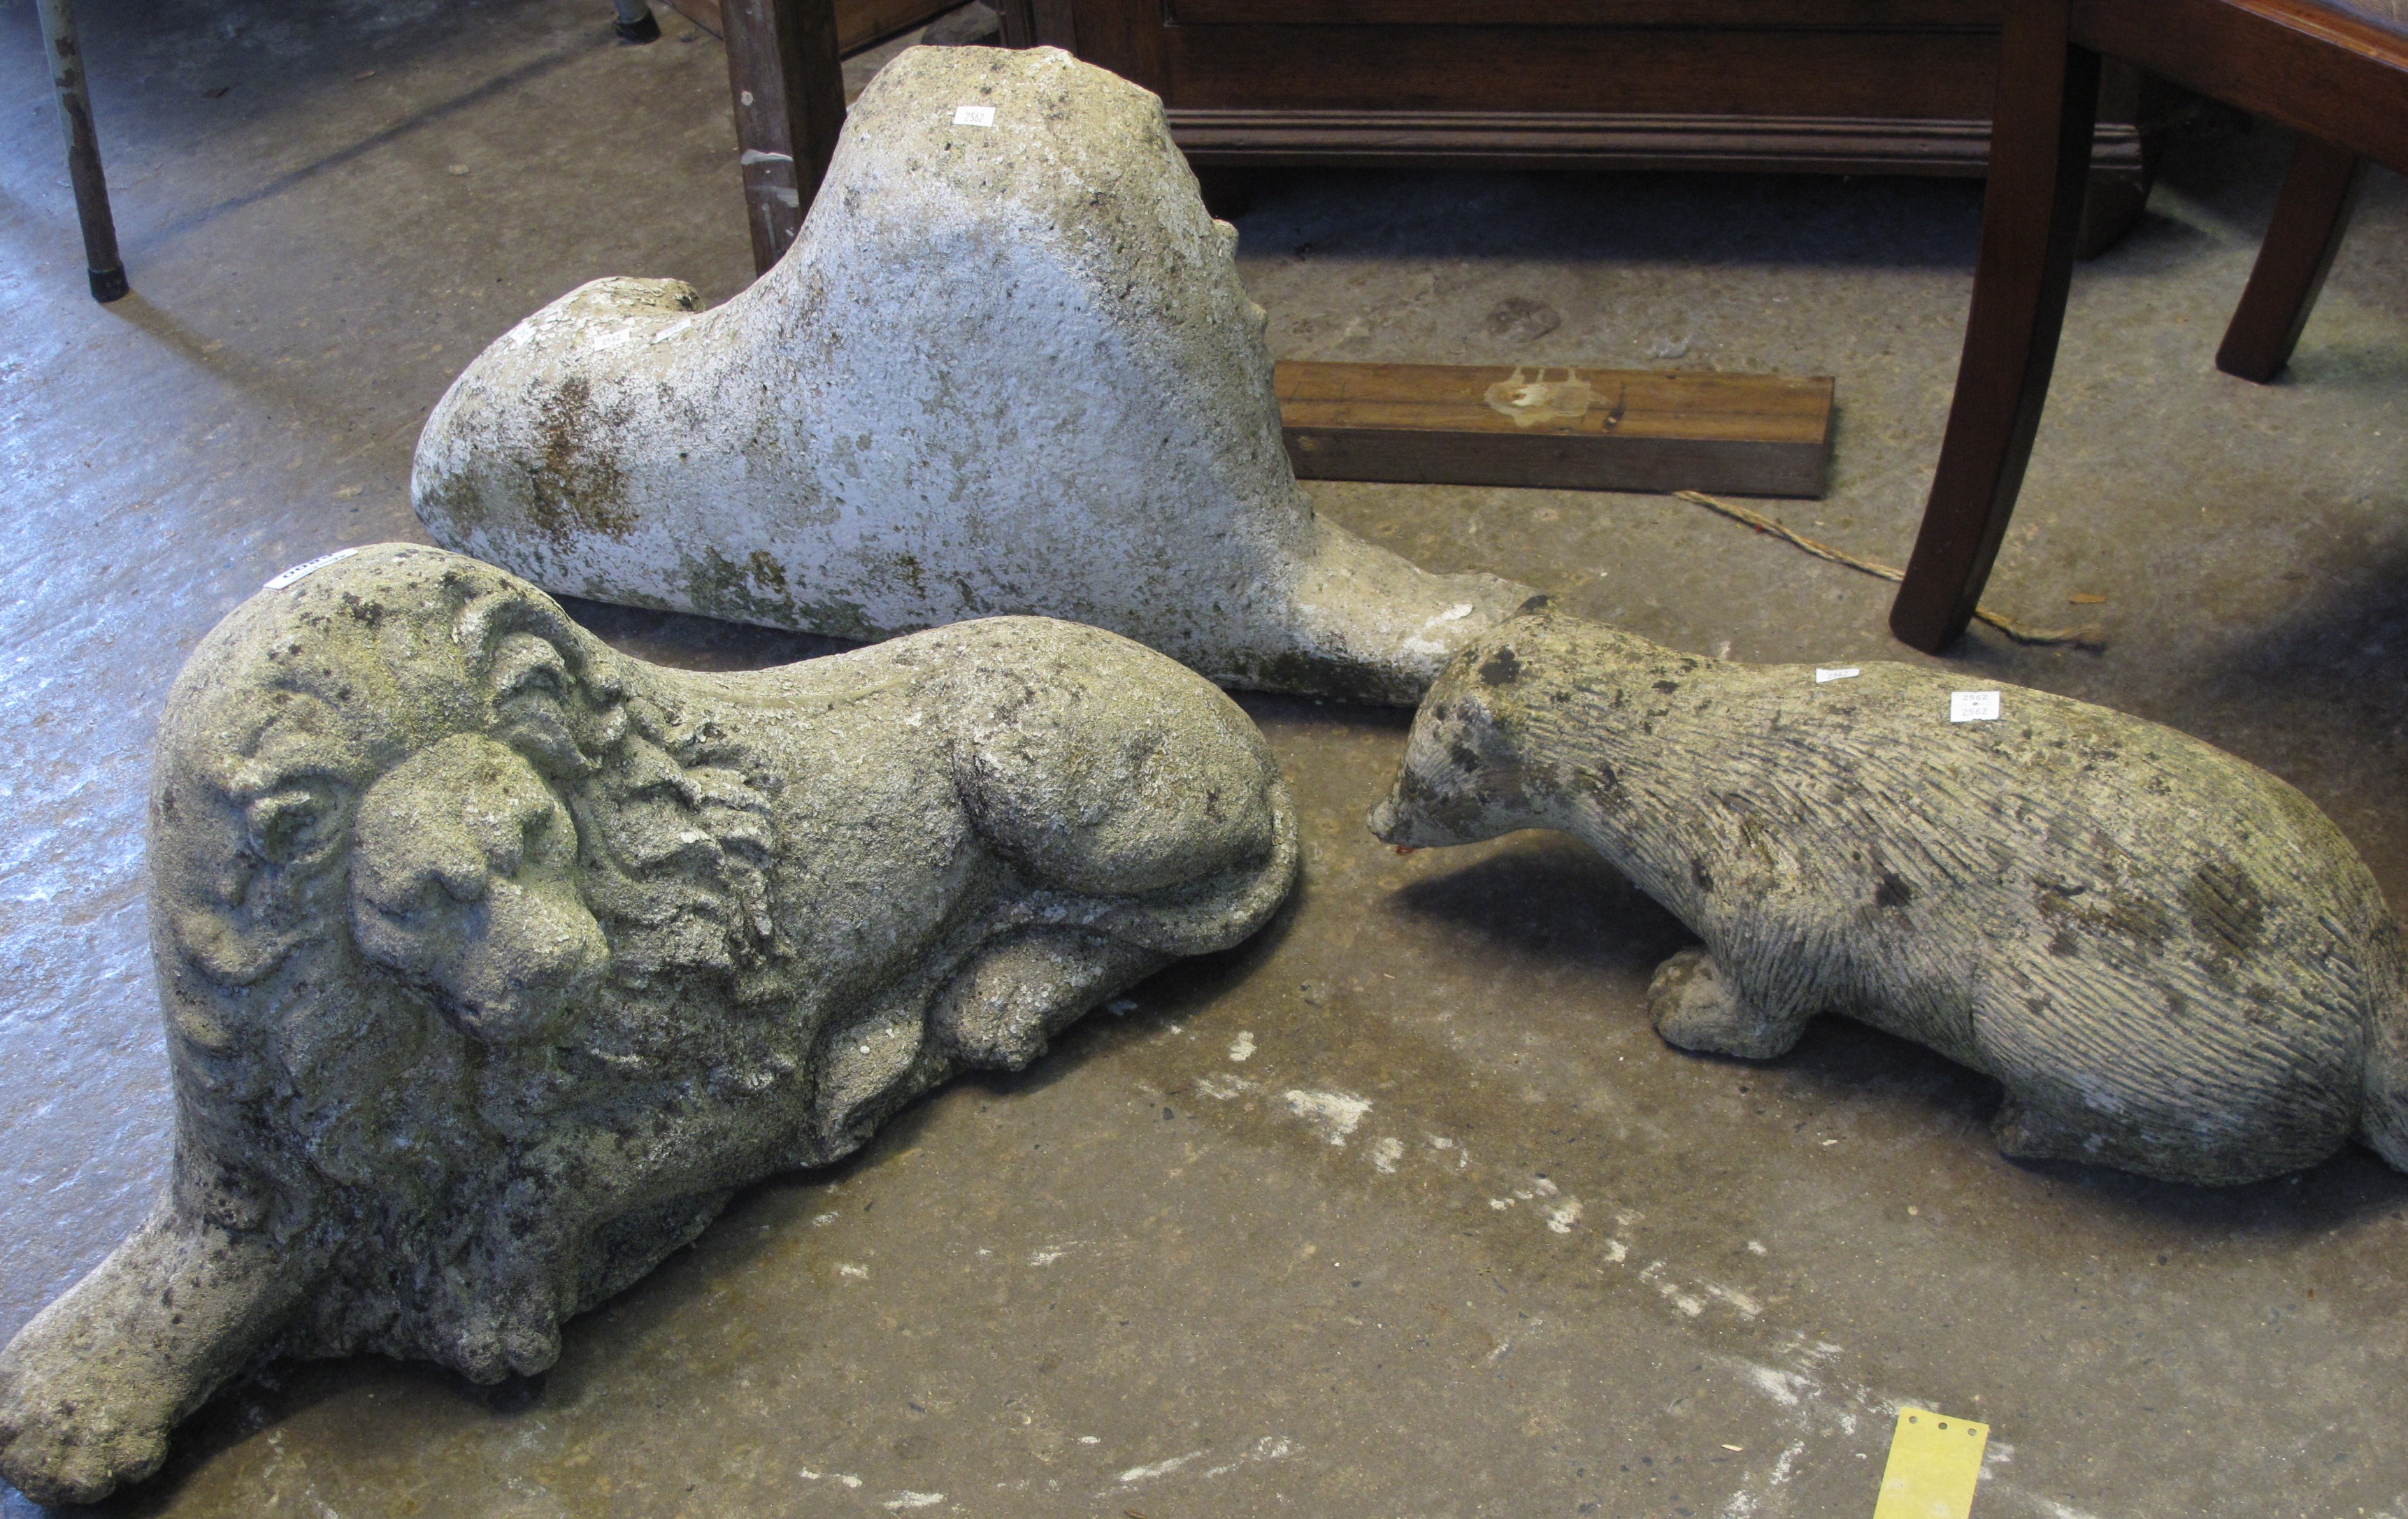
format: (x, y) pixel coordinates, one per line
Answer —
(67, 1445)
(521, 1339)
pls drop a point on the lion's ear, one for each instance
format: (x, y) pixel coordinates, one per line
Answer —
(252, 815)
(524, 665)
(532, 691)
(551, 687)
(297, 824)
(491, 623)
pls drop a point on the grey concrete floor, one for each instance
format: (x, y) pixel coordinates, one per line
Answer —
(1554, 1266)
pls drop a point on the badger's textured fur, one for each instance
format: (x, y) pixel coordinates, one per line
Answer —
(2172, 960)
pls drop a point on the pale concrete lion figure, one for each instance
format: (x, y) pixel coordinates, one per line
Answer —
(1007, 367)
(493, 960)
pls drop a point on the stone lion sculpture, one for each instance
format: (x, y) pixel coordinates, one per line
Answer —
(2172, 961)
(494, 960)
(1007, 367)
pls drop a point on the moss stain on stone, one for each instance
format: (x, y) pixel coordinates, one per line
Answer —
(576, 485)
(757, 589)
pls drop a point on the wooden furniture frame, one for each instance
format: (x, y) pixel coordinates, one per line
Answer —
(784, 72)
(1818, 86)
(858, 23)
(2339, 80)
(786, 77)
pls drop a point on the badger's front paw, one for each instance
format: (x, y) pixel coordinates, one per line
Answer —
(518, 1337)
(68, 1436)
(1696, 1008)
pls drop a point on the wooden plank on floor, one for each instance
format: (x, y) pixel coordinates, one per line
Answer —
(1559, 428)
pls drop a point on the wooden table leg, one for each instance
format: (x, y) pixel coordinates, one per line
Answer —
(783, 70)
(2040, 158)
(2310, 217)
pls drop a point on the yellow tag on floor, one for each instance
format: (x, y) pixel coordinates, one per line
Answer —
(1934, 1461)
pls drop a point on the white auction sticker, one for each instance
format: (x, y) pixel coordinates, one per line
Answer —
(974, 116)
(298, 570)
(1827, 676)
(1972, 706)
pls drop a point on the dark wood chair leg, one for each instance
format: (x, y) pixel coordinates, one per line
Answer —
(783, 70)
(2039, 159)
(61, 41)
(2310, 217)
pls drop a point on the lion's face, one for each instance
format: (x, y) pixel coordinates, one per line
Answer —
(463, 880)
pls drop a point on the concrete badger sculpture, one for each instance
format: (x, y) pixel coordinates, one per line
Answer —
(2172, 962)
(493, 960)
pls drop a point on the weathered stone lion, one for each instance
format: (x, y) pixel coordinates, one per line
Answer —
(2172, 961)
(1007, 367)
(493, 960)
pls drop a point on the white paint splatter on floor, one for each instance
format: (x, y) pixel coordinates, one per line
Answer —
(1462, 1156)
(1561, 1217)
(1746, 1304)
(1743, 1503)
(1221, 1088)
(1242, 1049)
(1787, 1388)
(1386, 1154)
(1160, 1469)
(1268, 1448)
(1332, 1114)
(909, 1500)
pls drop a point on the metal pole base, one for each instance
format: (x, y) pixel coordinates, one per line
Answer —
(109, 285)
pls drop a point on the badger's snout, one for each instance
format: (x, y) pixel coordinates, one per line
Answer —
(1391, 819)
(1405, 815)
(1435, 799)
(1460, 780)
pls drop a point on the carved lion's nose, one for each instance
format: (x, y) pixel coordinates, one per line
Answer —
(534, 952)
